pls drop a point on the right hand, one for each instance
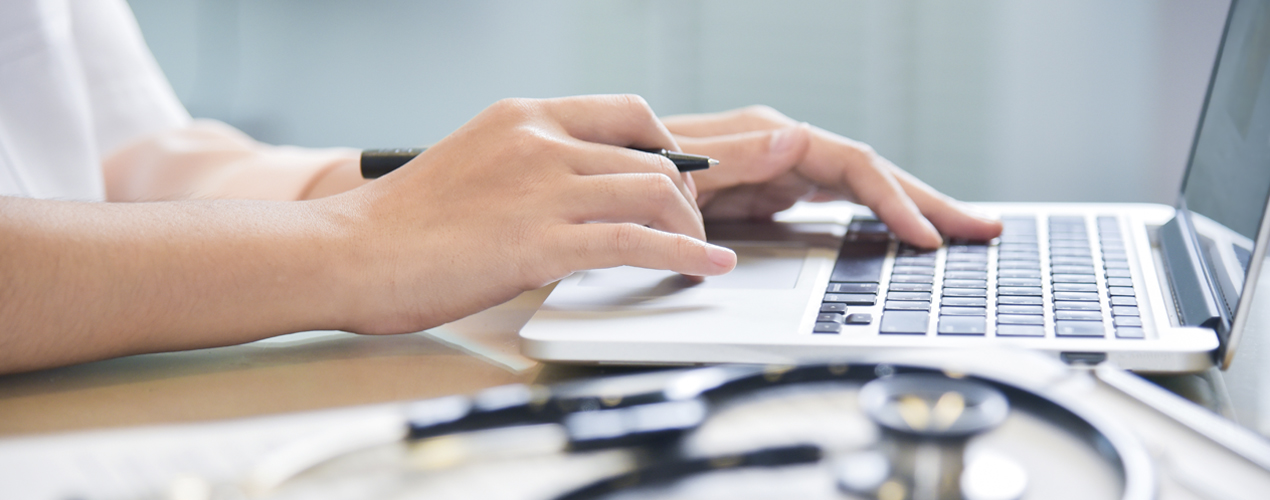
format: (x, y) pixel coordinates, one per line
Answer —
(524, 194)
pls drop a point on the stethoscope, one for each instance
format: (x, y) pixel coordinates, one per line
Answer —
(924, 419)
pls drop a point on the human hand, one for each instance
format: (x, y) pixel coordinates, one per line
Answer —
(525, 193)
(769, 161)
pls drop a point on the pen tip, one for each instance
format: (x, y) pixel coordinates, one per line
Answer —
(713, 162)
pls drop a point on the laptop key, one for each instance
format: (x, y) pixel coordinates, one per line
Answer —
(964, 301)
(954, 283)
(853, 288)
(967, 257)
(860, 261)
(926, 270)
(1019, 290)
(1074, 252)
(1119, 282)
(853, 299)
(1020, 247)
(909, 287)
(827, 328)
(904, 322)
(1127, 321)
(1115, 255)
(1020, 319)
(829, 318)
(1074, 278)
(963, 325)
(908, 296)
(966, 275)
(1071, 305)
(1008, 330)
(1078, 314)
(1085, 296)
(1068, 260)
(1075, 287)
(923, 261)
(967, 266)
(1020, 300)
(833, 307)
(1124, 311)
(965, 292)
(1019, 256)
(859, 318)
(1117, 264)
(1130, 332)
(907, 305)
(963, 311)
(1019, 264)
(1124, 300)
(1019, 309)
(1079, 329)
(1019, 273)
(912, 278)
(907, 250)
(1073, 269)
(1033, 282)
(1118, 273)
(1120, 290)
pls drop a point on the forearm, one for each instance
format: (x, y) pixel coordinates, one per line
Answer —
(85, 281)
(211, 160)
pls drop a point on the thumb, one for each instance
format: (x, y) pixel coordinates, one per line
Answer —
(748, 157)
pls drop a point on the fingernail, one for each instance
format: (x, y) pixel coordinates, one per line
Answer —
(936, 238)
(974, 211)
(782, 141)
(721, 257)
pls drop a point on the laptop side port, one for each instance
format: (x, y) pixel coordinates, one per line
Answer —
(1083, 358)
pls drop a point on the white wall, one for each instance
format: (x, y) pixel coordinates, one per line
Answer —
(987, 99)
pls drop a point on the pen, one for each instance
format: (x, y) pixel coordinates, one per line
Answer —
(377, 162)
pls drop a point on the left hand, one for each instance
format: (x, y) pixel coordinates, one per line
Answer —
(768, 161)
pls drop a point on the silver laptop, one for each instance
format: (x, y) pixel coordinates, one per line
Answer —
(1150, 287)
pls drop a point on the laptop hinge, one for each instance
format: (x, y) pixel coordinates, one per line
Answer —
(1193, 294)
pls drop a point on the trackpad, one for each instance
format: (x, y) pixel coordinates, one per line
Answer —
(760, 265)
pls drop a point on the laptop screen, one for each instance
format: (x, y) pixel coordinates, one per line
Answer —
(1228, 180)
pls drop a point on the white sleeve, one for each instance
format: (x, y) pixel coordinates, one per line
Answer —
(127, 91)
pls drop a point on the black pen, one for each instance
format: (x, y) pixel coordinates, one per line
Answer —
(378, 162)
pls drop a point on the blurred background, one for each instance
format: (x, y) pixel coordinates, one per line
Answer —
(994, 100)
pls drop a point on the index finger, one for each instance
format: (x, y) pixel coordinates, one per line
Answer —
(849, 166)
(952, 217)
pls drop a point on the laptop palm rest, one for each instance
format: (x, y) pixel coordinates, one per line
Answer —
(770, 289)
(760, 265)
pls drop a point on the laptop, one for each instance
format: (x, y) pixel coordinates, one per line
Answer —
(1153, 288)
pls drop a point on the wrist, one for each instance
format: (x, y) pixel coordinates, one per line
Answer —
(334, 253)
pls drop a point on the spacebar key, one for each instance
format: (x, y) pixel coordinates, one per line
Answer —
(860, 261)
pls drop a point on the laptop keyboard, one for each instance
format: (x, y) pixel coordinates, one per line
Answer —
(1079, 287)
